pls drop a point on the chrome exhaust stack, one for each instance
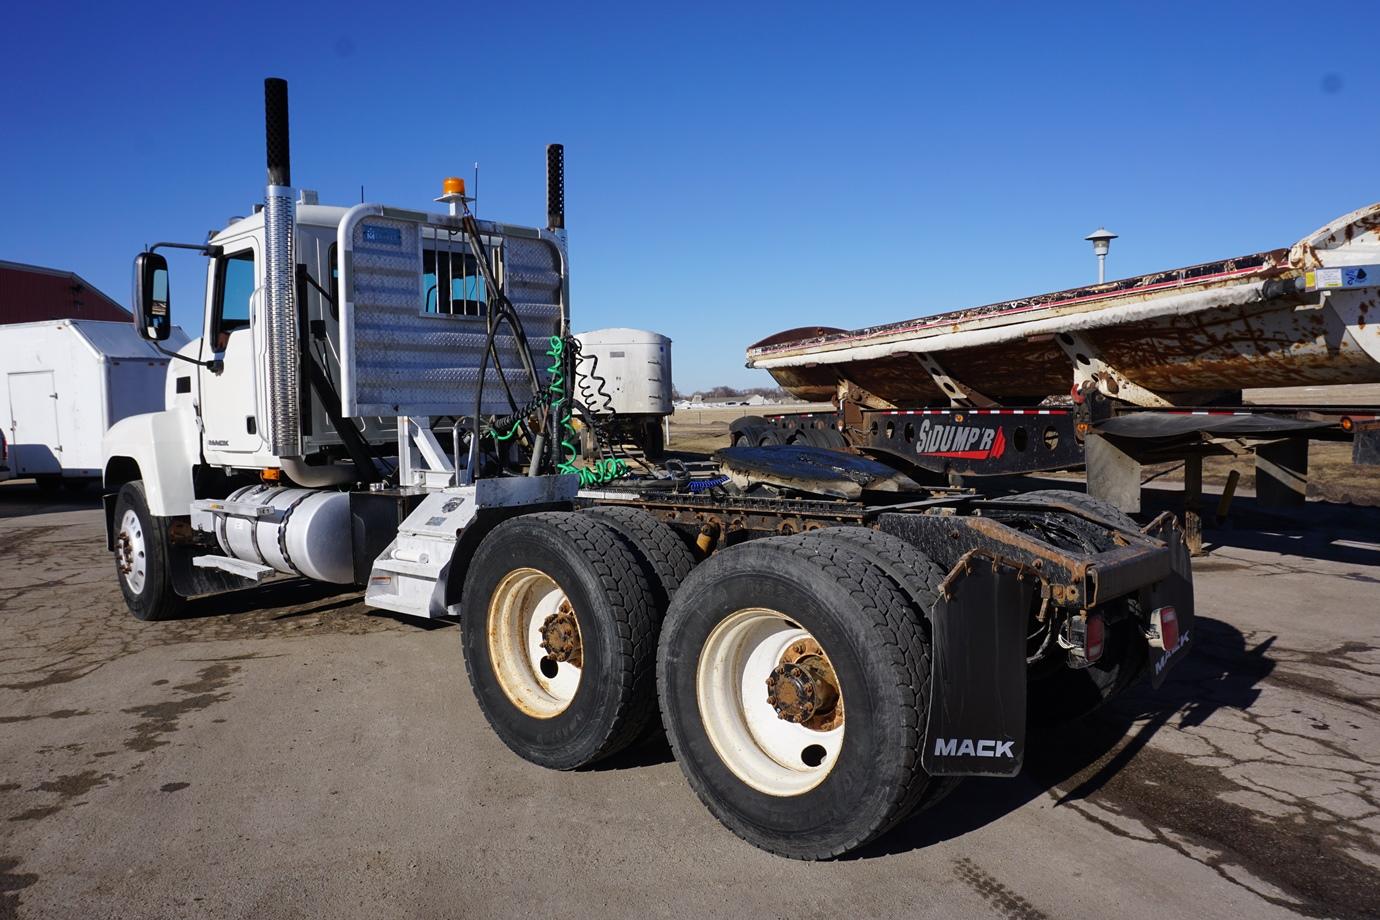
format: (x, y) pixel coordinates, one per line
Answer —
(280, 263)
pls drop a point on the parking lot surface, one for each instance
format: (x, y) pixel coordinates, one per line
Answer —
(287, 752)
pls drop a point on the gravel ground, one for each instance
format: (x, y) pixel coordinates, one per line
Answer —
(286, 752)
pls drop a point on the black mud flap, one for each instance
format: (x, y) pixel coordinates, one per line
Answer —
(1175, 590)
(978, 681)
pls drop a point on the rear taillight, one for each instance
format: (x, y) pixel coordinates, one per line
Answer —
(1163, 631)
(1085, 637)
(1093, 638)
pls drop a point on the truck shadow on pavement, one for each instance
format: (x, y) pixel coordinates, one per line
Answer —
(1076, 760)
(1207, 769)
(297, 599)
(290, 597)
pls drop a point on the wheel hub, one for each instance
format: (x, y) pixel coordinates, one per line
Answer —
(560, 636)
(803, 688)
(124, 559)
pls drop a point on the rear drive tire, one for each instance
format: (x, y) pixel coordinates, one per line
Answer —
(918, 577)
(529, 576)
(665, 559)
(831, 779)
(1081, 500)
(142, 557)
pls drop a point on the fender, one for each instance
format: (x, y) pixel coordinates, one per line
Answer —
(161, 448)
(450, 583)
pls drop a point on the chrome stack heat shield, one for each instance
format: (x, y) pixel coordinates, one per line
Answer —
(280, 304)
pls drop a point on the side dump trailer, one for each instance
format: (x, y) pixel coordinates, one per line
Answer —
(1112, 375)
(1284, 317)
(62, 384)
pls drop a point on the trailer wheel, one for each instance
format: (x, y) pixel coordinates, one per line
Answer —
(142, 557)
(559, 631)
(792, 686)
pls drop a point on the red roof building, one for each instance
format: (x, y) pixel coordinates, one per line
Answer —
(31, 293)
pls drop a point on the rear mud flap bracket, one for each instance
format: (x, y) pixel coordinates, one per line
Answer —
(977, 709)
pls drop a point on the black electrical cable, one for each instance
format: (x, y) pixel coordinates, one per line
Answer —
(501, 309)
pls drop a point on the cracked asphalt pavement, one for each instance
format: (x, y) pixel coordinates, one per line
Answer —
(287, 752)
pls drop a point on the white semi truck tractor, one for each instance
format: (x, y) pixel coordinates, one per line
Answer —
(385, 397)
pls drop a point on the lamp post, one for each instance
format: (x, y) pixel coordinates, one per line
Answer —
(1102, 241)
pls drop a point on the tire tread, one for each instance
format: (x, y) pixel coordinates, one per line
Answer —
(665, 555)
(630, 602)
(899, 643)
(918, 577)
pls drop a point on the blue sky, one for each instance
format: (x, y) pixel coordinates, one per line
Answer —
(732, 169)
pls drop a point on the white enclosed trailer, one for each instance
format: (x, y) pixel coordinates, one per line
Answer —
(63, 383)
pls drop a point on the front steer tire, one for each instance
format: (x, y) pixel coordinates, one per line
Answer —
(614, 700)
(143, 562)
(877, 650)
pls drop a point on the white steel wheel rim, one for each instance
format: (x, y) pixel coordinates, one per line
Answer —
(518, 609)
(132, 552)
(763, 750)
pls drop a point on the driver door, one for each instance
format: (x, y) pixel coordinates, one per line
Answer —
(231, 427)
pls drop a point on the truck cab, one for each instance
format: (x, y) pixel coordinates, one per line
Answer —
(340, 348)
(217, 398)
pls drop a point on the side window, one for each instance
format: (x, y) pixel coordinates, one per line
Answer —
(234, 286)
(459, 272)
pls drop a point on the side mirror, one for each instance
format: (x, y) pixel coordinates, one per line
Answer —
(152, 298)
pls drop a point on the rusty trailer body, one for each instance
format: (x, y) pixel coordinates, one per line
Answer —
(1110, 376)
(1278, 318)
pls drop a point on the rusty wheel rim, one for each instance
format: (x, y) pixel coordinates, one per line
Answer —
(751, 684)
(535, 645)
(131, 552)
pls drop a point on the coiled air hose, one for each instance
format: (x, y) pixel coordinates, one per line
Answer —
(601, 471)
